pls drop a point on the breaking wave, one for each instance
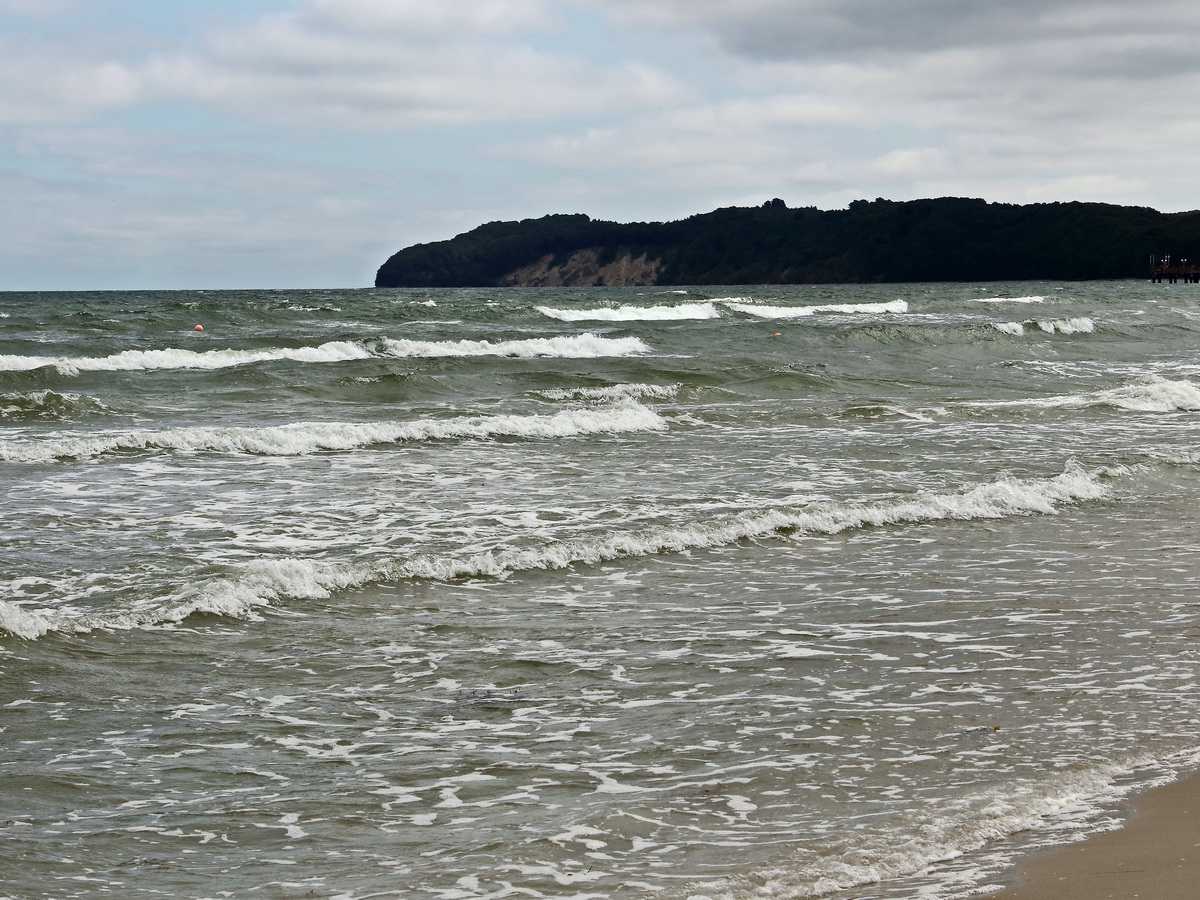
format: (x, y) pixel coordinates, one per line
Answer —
(263, 582)
(177, 358)
(1151, 395)
(633, 313)
(581, 346)
(307, 437)
(613, 392)
(47, 405)
(1009, 300)
(573, 347)
(797, 312)
(1079, 325)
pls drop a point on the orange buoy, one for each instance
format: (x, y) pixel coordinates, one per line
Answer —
(198, 328)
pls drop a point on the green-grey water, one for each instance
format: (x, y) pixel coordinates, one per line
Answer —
(727, 593)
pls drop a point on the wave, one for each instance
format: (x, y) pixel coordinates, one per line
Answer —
(300, 438)
(1009, 300)
(797, 312)
(581, 346)
(177, 358)
(47, 405)
(1151, 395)
(1078, 325)
(613, 392)
(263, 582)
(1016, 329)
(574, 347)
(634, 313)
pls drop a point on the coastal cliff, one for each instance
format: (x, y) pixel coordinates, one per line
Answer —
(945, 239)
(587, 268)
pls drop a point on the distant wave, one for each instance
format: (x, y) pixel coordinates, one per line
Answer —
(1079, 325)
(577, 346)
(798, 312)
(1152, 395)
(1009, 300)
(633, 313)
(307, 437)
(582, 346)
(613, 392)
(176, 358)
(266, 581)
(47, 405)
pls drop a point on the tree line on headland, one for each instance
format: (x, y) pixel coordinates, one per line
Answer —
(945, 239)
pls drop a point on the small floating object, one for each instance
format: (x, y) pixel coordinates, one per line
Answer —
(776, 334)
(198, 328)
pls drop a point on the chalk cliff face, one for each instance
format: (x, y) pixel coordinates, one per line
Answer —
(584, 268)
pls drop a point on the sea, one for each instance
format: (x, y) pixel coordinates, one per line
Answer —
(720, 593)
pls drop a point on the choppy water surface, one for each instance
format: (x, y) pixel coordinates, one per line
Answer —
(847, 592)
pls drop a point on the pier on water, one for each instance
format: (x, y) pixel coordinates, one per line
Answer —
(1164, 270)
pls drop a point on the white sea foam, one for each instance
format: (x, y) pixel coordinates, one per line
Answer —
(1080, 325)
(907, 843)
(798, 312)
(1149, 395)
(264, 582)
(633, 313)
(177, 358)
(307, 437)
(575, 347)
(582, 346)
(1014, 328)
(1006, 497)
(46, 404)
(613, 392)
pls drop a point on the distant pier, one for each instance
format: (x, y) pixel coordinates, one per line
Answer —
(1165, 270)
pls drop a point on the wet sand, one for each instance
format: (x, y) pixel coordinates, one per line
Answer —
(1155, 856)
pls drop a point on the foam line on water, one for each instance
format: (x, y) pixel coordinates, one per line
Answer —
(264, 582)
(299, 438)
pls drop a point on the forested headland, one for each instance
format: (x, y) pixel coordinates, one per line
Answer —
(945, 239)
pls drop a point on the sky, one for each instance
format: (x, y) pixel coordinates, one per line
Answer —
(162, 144)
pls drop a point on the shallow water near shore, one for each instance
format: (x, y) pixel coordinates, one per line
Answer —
(851, 591)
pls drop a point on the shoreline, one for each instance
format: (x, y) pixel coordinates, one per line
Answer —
(1154, 855)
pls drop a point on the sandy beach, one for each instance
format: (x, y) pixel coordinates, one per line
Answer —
(1155, 856)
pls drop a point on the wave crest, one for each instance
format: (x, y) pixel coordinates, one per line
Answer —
(581, 346)
(798, 312)
(266, 581)
(633, 313)
(300, 438)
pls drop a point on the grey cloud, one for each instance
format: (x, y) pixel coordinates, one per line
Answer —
(823, 29)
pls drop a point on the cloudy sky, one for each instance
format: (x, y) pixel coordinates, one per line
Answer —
(297, 143)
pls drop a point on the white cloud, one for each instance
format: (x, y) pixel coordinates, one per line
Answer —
(359, 64)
